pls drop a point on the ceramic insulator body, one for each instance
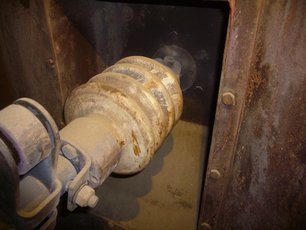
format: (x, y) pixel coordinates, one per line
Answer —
(136, 103)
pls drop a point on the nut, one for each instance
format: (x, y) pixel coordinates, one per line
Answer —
(69, 151)
(228, 98)
(93, 201)
(86, 197)
(169, 60)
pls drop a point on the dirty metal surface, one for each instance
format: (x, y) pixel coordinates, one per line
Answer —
(259, 143)
(26, 56)
(102, 24)
(75, 59)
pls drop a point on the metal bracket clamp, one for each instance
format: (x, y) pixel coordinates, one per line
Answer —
(80, 180)
(33, 143)
(37, 215)
(47, 121)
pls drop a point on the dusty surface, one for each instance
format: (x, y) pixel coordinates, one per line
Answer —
(165, 195)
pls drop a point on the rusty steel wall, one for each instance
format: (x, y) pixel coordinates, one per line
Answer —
(42, 55)
(257, 166)
(26, 56)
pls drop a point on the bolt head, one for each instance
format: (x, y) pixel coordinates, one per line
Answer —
(228, 98)
(50, 61)
(86, 197)
(169, 60)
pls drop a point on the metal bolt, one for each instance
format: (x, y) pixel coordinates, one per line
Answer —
(228, 98)
(93, 201)
(215, 174)
(205, 226)
(86, 197)
(50, 61)
(169, 60)
(69, 151)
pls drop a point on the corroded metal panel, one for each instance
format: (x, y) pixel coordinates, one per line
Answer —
(26, 56)
(75, 59)
(257, 167)
(42, 55)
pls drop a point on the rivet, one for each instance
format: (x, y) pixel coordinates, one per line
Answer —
(215, 174)
(50, 61)
(205, 226)
(228, 98)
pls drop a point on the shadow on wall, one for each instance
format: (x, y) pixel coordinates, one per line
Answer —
(118, 29)
(117, 190)
(91, 17)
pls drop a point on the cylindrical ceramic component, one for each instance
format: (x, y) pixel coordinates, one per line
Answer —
(141, 101)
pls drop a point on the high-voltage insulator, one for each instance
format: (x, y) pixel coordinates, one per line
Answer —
(115, 123)
(136, 101)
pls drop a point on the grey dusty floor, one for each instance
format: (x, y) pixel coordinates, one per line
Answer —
(166, 194)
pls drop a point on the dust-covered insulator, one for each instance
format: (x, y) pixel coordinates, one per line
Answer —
(140, 99)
